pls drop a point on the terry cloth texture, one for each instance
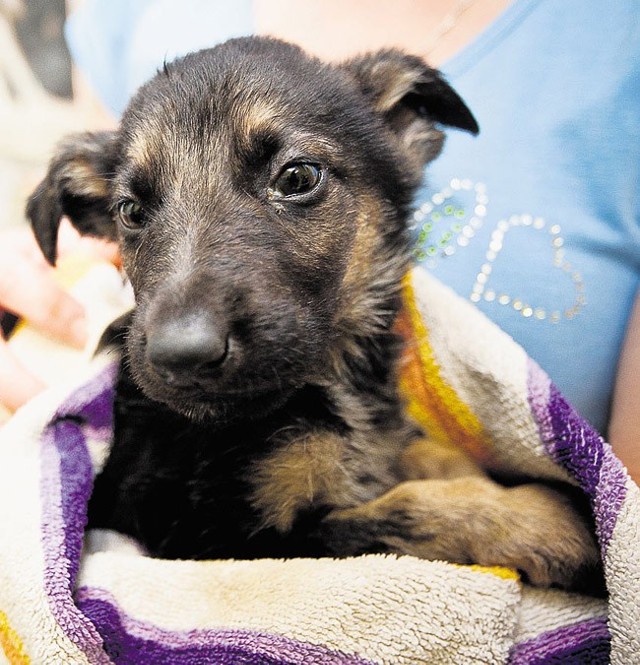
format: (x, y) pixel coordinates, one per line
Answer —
(67, 598)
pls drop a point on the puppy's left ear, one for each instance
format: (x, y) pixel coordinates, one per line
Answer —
(413, 99)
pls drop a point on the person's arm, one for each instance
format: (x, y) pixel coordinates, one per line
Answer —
(624, 427)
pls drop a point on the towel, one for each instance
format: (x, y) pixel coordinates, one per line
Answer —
(67, 596)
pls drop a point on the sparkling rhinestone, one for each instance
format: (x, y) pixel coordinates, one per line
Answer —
(466, 184)
(480, 187)
(438, 198)
(475, 297)
(475, 222)
(517, 305)
(527, 312)
(455, 183)
(490, 296)
(538, 223)
(481, 278)
(557, 242)
(480, 210)
(504, 299)
(463, 241)
(527, 220)
(486, 268)
(540, 314)
(449, 251)
(555, 229)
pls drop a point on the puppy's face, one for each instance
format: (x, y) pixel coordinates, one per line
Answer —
(259, 199)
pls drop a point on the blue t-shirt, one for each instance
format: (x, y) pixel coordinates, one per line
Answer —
(537, 219)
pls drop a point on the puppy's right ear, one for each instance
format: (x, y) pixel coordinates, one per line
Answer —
(77, 185)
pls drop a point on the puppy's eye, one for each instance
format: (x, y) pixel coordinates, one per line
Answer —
(131, 214)
(297, 179)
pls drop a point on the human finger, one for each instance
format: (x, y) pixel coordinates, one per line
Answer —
(30, 290)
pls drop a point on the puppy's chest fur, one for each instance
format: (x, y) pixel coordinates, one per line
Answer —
(251, 489)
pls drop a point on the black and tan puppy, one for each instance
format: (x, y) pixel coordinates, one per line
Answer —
(260, 199)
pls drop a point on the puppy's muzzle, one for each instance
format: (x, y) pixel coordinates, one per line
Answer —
(189, 350)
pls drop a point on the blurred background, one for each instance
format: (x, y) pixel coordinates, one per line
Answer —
(41, 97)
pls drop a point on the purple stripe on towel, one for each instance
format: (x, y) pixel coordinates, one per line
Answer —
(130, 642)
(90, 407)
(64, 493)
(539, 388)
(584, 642)
(577, 447)
(67, 480)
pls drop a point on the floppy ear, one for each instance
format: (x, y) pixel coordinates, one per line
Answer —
(77, 184)
(413, 99)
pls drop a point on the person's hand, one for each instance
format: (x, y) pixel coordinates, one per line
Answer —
(28, 289)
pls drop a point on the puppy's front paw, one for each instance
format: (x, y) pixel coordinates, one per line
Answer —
(530, 528)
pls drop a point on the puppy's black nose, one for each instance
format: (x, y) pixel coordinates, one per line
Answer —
(184, 350)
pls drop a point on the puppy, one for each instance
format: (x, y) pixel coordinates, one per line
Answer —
(260, 200)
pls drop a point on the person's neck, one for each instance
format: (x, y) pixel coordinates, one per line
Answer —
(335, 30)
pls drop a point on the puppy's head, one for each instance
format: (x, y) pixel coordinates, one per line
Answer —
(259, 198)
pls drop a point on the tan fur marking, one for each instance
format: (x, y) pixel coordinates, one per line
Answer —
(253, 117)
(530, 527)
(257, 115)
(426, 458)
(372, 274)
(139, 149)
(297, 474)
(399, 81)
(83, 180)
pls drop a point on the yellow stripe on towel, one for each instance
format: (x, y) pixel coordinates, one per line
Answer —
(499, 571)
(432, 402)
(11, 643)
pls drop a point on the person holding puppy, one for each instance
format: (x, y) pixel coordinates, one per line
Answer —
(537, 220)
